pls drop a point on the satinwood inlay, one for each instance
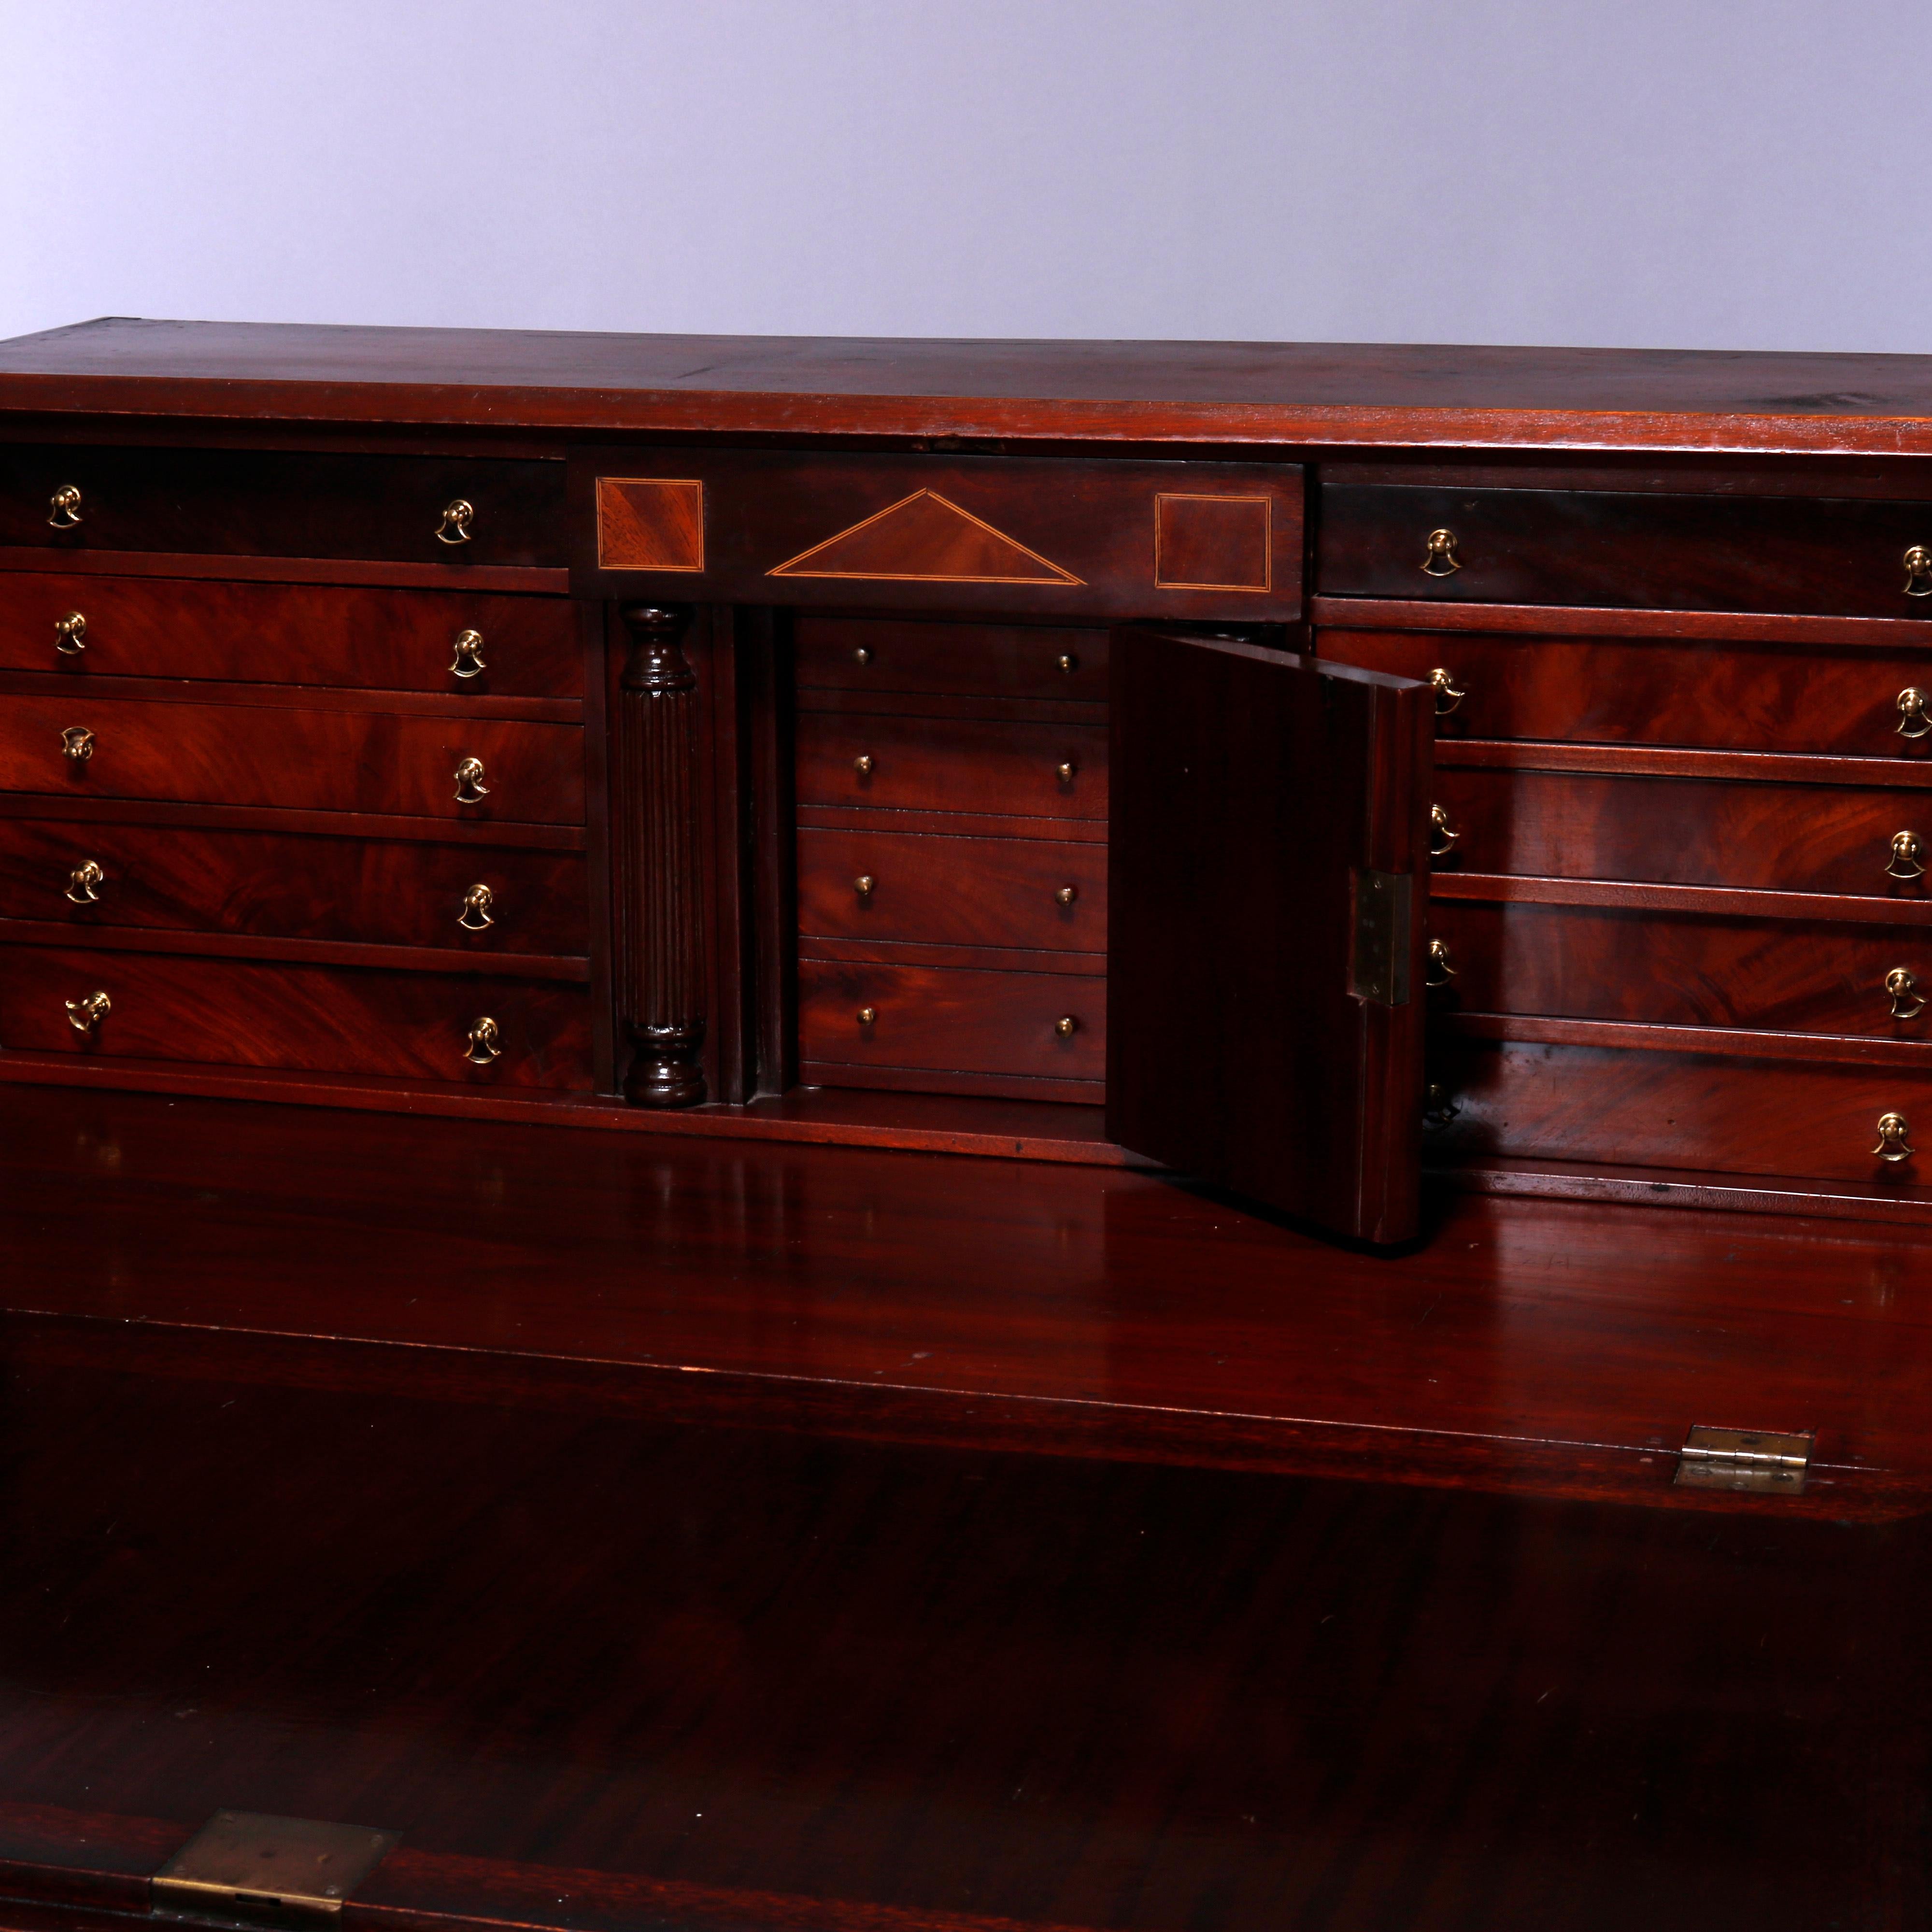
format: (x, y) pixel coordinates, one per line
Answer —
(926, 538)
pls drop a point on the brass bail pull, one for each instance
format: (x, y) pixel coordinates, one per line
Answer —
(468, 661)
(1441, 834)
(470, 789)
(1912, 721)
(457, 516)
(70, 634)
(85, 1014)
(1439, 559)
(1441, 968)
(1443, 683)
(1919, 572)
(1907, 860)
(77, 743)
(1894, 1138)
(63, 507)
(474, 917)
(485, 1043)
(84, 883)
(1903, 985)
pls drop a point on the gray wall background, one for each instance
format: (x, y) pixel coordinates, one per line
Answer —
(1701, 173)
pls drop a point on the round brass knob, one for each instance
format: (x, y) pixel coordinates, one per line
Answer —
(1917, 571)
(468, 661)
(63, 507)
(1065, 773)
(1439, 559)
(70, 634)
(1441, 835)
(862, 657)
(1441, 969)
(1068, 662)
(1067, 1026)
(867, 1015)
(1902, 984)
(470, 789)
(1067, 895)
(1446, 696)
(475, 913)
(863, 884)
(77, 743)
(85, 1014)
(1907, 858)
(84, 883)
(457, 516)
(1894, 1138)
(862, 764)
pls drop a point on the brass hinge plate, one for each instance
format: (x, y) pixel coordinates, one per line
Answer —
(1385, 917)
(241, 1866)
(1746, 1460)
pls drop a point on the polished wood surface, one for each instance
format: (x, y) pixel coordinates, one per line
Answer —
(1049, 661)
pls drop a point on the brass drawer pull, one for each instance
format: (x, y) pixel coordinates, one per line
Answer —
(1441, 559)
(468, 661)
(1441, 834)
(1919, 572)
(1903, 985)
(70, 634)
(84, 1015)
(862, 764)
(470, 789)
(1067, 772)
(863, 885)
(1067, 1026)
(862, 657)
(84, 883)
(1894, 1134)
(63, 507)
(1912, 703)
(456, 516)
(474, 917)
(1441, 969)
(485, 1043)
(867, 1015)
(77, 743)
(1907, 853)
(1067, 895)
(1068, 662)
(1446, 696)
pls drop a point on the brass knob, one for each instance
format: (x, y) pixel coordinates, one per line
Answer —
(1067, 1026)
(70, 634)
(84, 1015)
(1440, 559)
(1438, 1107)
(1065, 773)
(485, 1043)
(475, 913)
(1067, 895)
(84, 883)
(454, 528)
(1068, 662)
(1903, 985)
(1441, 835)
(867, 1015)
(1906, 855)
(863, 657)
(468, 661)
(1894, 1134)
(862, 764)
(77, 743)
(63, 507)
(1440, 969)
(1446, 696)
(863, 884)
(470, 789)
(1919, 572)
(1911, 713)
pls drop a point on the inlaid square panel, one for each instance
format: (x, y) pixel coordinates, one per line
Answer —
(650, 523)
(1211, 543)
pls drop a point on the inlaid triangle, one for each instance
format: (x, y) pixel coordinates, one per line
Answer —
(924, 539)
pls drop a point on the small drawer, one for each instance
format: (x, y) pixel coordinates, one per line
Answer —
(1691, 832)
(102, 626)
(1824, 556)
(275, 885)
(422, 1026)
(953, 764)
(1024, 1027)
(1724, 697)
(283, 503)
(1668, 969)
(85, 744)
(883, 654)
(1039, 893)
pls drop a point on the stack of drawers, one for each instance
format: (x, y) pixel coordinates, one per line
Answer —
(1680, 914)
(951, 784)
(271, 796)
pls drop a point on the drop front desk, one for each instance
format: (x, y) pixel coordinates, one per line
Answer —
(936, 1137)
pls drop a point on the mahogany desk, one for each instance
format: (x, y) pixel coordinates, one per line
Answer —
(959, 1135)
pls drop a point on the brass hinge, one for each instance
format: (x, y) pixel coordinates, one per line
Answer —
(1379, 965)
(1745, 1458)
(271, 1871)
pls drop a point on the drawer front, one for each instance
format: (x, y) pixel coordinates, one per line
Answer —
(1058, 537)
(1628, 549)
(283, 503)
(949, 764)
(1694, 831)
(311, 1018)
(887, 654)
(274, 755)
(387, 893)
(1040, 893)
(1663, 969)
(1677, 1110)
(1727, 698)
(290, 633)
(946, 1019)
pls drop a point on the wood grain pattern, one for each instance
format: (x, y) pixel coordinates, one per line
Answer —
(650, 523)
(1052, 662)
(278, 633)
(945, 764)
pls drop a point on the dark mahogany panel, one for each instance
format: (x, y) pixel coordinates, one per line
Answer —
(1729, 697)
(279, 755)
(1054, 662)
(318, 1019)
(284, 633)
(1621, 549)
(383, 892)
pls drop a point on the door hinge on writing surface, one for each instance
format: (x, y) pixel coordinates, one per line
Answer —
(242, 1868)
(1384, 912)
(1745, 1460)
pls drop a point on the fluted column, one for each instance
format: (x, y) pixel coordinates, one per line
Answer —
(660, 949)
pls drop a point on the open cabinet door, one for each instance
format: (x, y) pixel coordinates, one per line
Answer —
(1267, 874)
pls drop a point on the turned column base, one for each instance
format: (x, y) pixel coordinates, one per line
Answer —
(665, 1072)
